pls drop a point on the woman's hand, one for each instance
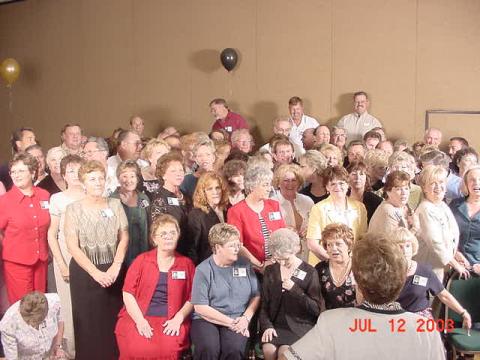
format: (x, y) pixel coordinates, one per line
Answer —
(144, 328)
(287, 284)
(462, 271)
(240, 325)
(65, 272)
(58, 354)
(476, 268)
(268, 335)
(462, 260)
(113, 271)
(172, 326)
(103, 278)
(467, 320)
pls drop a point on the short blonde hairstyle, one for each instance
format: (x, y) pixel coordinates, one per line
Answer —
(401, 236)
(151, 145)
(284, 242)
(379, 268)
(89, 167)
(431, 173)
(128, 165)
(161, 220)
(465, 177)
(282, 170)
(329, 147)
(204, 142)
(376, 157)
(54, 150)
(222, 233)
(337, 231)
(199, 196)
(315, 159)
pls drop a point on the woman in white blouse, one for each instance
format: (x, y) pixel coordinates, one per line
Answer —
(438, 232)
(295, 207)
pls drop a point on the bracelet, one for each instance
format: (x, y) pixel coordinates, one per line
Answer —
(246, 317)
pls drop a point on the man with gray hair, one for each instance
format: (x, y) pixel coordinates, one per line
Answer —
(96, 148)
(433, 136)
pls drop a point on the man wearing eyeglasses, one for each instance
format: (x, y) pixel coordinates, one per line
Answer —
(129, 148)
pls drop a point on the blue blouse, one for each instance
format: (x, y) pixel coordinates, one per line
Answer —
(469, 230)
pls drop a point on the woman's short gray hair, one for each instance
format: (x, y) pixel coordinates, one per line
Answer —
(256, 175)
(284, 242)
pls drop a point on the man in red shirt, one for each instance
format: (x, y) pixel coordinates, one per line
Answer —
(224, 118)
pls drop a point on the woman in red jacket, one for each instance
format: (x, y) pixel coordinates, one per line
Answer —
(24, 218)
(155, 321)
(256, 217)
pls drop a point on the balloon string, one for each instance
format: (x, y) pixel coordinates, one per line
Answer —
(230, 90)
(10, 99)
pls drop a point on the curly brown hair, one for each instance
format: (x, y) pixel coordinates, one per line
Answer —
(199, 196)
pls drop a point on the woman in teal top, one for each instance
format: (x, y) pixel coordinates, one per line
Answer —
(135, 204)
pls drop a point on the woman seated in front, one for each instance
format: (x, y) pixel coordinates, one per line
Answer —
(155, 321)
(290, 295)
(337, 284)
(225, 296)
(421, 282)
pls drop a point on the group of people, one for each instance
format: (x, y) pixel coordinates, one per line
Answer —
(199, 243)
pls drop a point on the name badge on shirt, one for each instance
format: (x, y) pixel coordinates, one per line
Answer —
(45, 205)
(144, 204)
(108, 213)
(299, 274)
(173, 201)
(275, 215)
(228, 128)
(419, 280)
(179, 275)
(239, 272)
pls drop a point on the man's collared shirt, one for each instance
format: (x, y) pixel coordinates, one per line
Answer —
(357, 125)
(296, 132)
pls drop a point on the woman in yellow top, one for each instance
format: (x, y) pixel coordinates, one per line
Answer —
(337, 208)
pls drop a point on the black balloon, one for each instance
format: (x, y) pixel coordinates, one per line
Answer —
(229, 58)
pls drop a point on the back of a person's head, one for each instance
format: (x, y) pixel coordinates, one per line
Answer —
(379, 268)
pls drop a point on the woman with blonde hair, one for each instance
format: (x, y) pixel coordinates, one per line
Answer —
(332, 154)
(421, 282)
(438, 234)
(54, 182)
(294, 206)
(209, 208)
(312, 164)
(153, 150)
(96, 232)
(204, 157)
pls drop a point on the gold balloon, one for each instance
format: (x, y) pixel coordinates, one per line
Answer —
(9, 71)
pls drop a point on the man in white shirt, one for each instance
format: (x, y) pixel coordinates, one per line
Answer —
(300, 121)
(129, 148)
(360, 121)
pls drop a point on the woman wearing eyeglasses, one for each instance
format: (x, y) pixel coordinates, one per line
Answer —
(155, 321)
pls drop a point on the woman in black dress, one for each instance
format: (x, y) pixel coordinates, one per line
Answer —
(336, 279)
(290, 298)
(169, 199)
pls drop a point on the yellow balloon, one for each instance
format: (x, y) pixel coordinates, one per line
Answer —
(9, 71)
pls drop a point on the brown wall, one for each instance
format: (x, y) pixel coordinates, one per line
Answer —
(98, 61)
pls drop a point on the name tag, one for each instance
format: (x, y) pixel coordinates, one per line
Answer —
(275, 215)
(144, 204)
(108, 213)
(45, 205)
(228, 128)
(173, 201)
(239, 272)
(179, 275)
(419, 280)
(299, 274)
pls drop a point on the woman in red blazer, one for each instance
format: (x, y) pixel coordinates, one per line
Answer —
(24, 218)
(256, 217)
(155, 321)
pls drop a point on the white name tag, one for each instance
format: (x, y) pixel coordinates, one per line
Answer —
(239, 272)
(179, 275)
(108, 213)
(173, 201)
(228, 128)
(420, 280)
(275, 215)
(144, 204)
(45, 205)
(299, 274)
